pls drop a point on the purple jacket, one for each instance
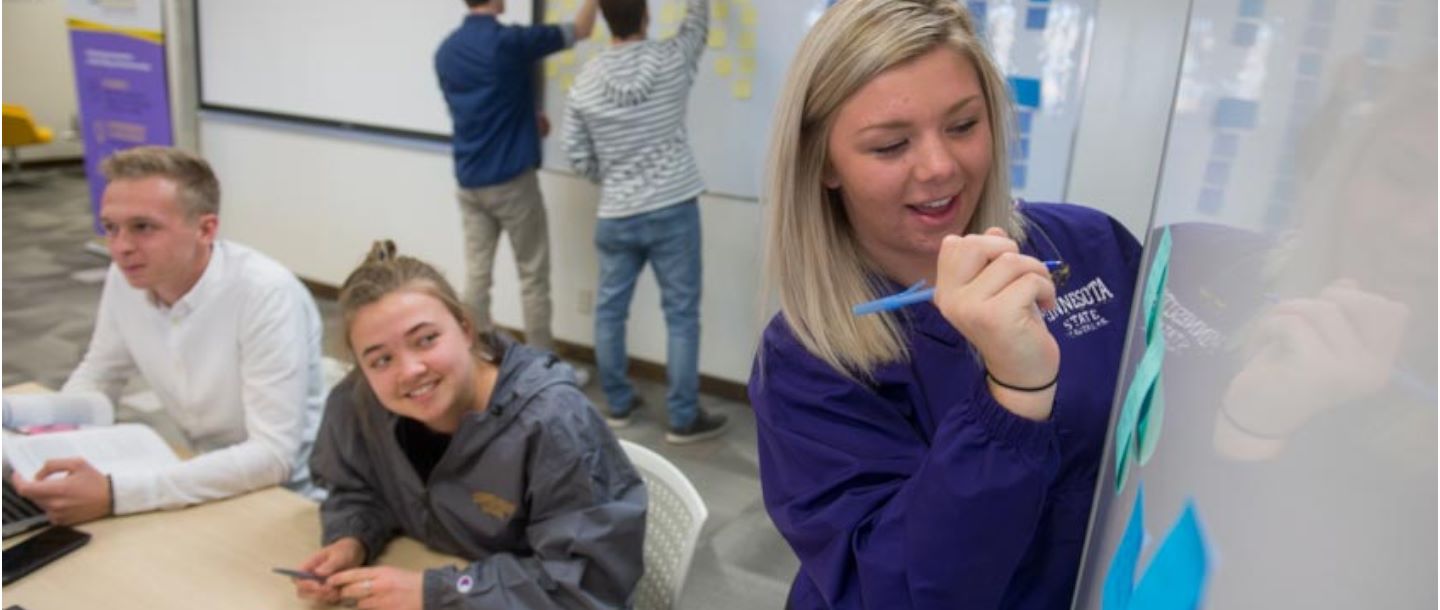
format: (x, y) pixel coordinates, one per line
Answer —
(921, 491)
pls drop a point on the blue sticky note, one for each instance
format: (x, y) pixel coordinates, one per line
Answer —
(977, 10)
(1235, 113)
(1244, 34)
(1026, 91)
(1224, 146)
(1210, 202)
(1017, 176)
(1252, 8)
(1024, 118)
(1217, 173)
(1035, 18)
(1021, 150)
(1120, 579)
(1177, 575)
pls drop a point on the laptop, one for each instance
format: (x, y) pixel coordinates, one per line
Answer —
(21, 515)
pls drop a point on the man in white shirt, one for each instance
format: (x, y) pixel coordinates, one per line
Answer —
(227, 338)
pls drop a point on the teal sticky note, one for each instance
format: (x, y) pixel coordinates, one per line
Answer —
(1137, 430)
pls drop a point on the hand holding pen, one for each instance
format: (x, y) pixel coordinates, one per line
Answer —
(993, 296)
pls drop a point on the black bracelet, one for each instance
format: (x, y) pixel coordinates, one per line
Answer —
(110, 481)
(1021, 389)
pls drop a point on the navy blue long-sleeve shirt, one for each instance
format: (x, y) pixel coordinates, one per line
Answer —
(921, 491)
(487, 73)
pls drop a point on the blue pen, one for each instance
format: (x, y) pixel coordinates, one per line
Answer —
(919, 293)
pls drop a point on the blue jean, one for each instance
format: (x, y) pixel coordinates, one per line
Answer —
(669, 238)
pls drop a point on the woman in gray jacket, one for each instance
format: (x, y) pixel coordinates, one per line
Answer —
(473, 444)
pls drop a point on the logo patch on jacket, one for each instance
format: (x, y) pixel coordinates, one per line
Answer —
(1079, 308)
(493, 505)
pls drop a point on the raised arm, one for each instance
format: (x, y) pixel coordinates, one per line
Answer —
(585, 20)
(694, 30)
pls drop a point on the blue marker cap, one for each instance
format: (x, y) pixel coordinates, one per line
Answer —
(918, 293)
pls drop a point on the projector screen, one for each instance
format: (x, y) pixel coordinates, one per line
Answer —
(358, 63)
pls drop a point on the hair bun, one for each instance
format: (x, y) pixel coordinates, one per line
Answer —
(382, 250)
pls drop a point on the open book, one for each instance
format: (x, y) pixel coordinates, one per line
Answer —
(109, 448)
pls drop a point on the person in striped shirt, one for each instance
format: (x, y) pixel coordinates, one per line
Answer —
(625, 129)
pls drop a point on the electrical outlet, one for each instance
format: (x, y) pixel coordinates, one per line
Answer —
(585, 302)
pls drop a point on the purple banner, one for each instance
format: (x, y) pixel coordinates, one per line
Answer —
(123, 95)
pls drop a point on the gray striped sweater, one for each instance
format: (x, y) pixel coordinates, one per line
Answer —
(625, 120)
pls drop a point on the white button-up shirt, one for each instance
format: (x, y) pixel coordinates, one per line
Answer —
(235, 362)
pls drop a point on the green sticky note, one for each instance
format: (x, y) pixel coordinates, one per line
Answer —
(1137, 430)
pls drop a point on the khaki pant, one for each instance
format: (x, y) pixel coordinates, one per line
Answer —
(514, 207)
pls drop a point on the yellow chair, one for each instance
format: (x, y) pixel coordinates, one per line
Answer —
(19, 129)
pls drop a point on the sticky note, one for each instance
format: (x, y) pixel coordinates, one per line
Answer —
(741, 88)
(671, 13)
(552, 68)
(747, 40)
(552, 16)
(1178, 570)
(747, 64)
(1137, 429)
(722, 66)
(717, 38)
(749, 16)
(567, 58)
(722, 10)
(565, 81)
(569, 5)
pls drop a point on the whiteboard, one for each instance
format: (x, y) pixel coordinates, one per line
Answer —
(1296, 436)
(366, 63)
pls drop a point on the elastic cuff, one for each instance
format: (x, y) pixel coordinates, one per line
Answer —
(1034, 440)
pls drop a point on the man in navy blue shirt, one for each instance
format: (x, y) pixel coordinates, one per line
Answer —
(487, 73)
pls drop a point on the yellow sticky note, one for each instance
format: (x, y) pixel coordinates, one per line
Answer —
(722, 66)
(552, 68)
(670, 13)
(565, 81)
(747, 64)
(722, 10)
(552, 16)
(567, 58)
(717, 38)
(747, 40)
(749, 16)
(569, 5)
(741, 88)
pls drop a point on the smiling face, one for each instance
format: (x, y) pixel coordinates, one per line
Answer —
(910, 153)
(156, 245)
(417, 358)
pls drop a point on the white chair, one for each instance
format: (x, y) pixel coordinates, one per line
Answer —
(672, 528)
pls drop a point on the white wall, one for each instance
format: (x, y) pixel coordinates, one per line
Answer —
(315, 198)
(38, 73)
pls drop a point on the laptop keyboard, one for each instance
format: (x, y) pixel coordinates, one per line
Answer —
(20, 514)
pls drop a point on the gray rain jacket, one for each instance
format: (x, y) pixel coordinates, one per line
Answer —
(535, 490)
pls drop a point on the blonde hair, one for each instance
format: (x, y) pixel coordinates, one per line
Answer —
(814, 262)
(196, 184)
(384, 272)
